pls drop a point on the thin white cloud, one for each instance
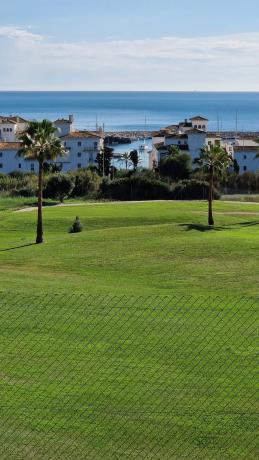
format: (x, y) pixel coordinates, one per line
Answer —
(228, 62)
(17, 33)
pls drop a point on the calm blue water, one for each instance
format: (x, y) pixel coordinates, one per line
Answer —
(127, 110)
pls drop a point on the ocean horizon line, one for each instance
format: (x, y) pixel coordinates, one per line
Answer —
(127, 91)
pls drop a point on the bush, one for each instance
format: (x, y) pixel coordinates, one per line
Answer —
(18, 184)
(135, 188)
(193, 190)
(177, 166)
(77, 227)
(59, 186)
(26, 192)
(86, 182)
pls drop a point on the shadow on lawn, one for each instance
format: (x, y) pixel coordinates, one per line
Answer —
(207, 228)
(17, 247)
(44, 203)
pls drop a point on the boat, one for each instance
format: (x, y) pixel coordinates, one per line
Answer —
(143, 147)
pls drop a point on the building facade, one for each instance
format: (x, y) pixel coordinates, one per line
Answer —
(192, 135)
(82, 146)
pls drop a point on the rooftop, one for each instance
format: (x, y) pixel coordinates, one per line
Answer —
(63, 121)
(12, 119)
(10, 145)
(81, 135)
(199, 117)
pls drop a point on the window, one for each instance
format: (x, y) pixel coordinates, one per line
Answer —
(10, 130)
(244, 168)
(179, 142)
(203, 127)
(1, 165)
(65, 144)
(244, 157)
(1, 154)
(209, 142)
(199, 126)
(79, 155)
(19, 165)
(32, 166)
(79, 143)
(95, 145)
(79, 165)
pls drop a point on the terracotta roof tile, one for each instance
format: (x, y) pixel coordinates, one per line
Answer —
(10, 145)
(81, 135)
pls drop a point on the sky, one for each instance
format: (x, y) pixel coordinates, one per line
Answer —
(162, 45)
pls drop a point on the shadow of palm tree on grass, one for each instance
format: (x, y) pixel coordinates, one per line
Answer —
(18, 247)
(206, 228)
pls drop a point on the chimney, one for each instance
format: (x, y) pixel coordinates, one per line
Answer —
(71, 118)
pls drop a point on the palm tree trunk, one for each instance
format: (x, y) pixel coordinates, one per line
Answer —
(210, 199)
(39, 238)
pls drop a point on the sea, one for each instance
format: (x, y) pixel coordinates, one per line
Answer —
(137, 111)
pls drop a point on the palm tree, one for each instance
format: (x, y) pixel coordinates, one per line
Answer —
(40, 143)
(125, 158)
(134, 158)
(214, 159)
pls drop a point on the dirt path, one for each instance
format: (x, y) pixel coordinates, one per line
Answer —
(33, 208)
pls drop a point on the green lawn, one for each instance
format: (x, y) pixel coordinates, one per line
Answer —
(135, 339)
(140, 248)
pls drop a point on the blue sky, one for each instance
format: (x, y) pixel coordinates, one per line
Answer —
(140, 44)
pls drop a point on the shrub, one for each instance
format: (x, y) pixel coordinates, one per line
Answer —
(135, 188)
(59, 186)
(77, 227)
(176, 166)
(193, 190)
(18, 184)
(86, 182)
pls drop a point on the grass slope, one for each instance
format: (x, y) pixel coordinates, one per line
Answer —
(91, 375)
(134, 248)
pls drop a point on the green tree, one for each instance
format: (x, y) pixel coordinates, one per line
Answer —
(125, 158)
(214, 160)
(59, 186)
(103, 160)
(177, 165)
(40, 143)
(134, 158)
(236, 167)
(173, 150)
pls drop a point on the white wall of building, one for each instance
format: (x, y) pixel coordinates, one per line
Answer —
(9, 160)
(82, 152)
(246, 159)
(8, 132)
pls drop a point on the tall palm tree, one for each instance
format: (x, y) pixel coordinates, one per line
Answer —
(39, 143)
(125, 158)
(214, 159)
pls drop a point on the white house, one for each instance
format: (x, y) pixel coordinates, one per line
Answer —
(64, 126)
(10, 161)
(199, 122)
(82, 146)
(191, 136)
(11, 127)
(190, 141)
(245, 152)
